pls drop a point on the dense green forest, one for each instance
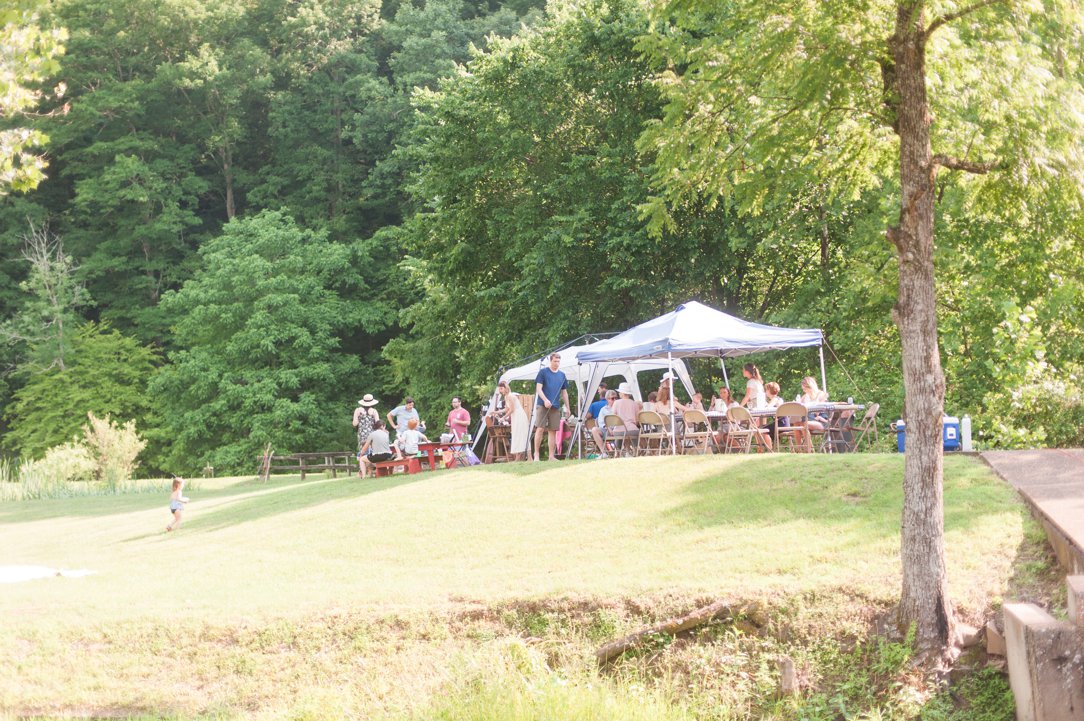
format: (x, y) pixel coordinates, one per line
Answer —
(255, 211)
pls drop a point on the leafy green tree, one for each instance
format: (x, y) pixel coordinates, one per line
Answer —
(107, 373)
(417, 45)
(28, 55)
(529, 186)
(221, 84)
(261, 359)
(49, 315)
(326, 75)
(763, 96)
(132, 176)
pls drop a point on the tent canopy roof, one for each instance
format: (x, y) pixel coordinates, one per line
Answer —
(696, 330)
(571, 360)
(586, 375)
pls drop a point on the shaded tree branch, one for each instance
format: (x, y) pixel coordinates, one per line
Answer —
(945, 19)
(969, 166)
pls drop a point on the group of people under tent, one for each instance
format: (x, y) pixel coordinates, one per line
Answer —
(374, 441)
(551, 407)
(758, 395)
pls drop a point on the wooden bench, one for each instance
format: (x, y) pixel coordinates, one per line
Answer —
(411, 464)
(333, 461)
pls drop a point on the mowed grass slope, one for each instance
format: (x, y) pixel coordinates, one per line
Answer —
(344, 593)
(717, 525)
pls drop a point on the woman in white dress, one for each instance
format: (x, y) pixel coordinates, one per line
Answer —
(520, 423)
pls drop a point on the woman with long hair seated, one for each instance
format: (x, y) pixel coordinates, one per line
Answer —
(812, 394)
(665, 396)
(754, 387)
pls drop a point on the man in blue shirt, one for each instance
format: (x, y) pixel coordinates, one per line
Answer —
(596, 407)
(549, 385)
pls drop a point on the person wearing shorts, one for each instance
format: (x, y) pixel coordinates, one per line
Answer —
(551, 385)
(377, 448)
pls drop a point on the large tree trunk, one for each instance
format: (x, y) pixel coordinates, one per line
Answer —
(924, 600)
(226, 154)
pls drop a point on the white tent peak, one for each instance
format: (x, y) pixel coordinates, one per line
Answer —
(696, 330)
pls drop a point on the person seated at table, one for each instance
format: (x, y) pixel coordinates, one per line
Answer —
(811, 394)
(599, 432)
(772, 400)
(377, 448)
(649, 404)
(722, 401)
(406, 442)
(754, 387)
(665, 395)
(627, 409)
(458, 419)
(595, 408)
(697, 402)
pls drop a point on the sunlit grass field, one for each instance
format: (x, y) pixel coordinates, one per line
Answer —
(182, 623)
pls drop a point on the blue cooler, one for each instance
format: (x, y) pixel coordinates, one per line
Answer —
(950, 433)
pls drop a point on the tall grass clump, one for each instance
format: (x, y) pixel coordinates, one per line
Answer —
(520, 686)
(50, 478)
(28, 481)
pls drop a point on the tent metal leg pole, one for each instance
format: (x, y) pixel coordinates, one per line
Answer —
(824, 378)
(722, 364)
(673, 421)
(580, 388)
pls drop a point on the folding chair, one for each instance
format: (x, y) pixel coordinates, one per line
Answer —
(652, 430)
(849, 436)
(617, 434)
(794, 436)
(744, 432)
(589, 437)
(697, 436)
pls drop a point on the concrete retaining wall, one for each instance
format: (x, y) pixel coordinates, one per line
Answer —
(1046, 659)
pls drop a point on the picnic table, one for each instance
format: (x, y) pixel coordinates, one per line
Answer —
(430, 448)
(831, 409)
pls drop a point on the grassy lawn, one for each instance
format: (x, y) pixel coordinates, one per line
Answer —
(334, 597)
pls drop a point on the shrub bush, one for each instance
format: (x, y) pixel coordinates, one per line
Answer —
(1046, 409)
(68, 462)
(114, 448)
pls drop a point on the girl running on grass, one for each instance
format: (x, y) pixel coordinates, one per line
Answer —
(176, 503)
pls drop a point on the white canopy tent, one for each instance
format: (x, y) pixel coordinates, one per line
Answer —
(695, 330)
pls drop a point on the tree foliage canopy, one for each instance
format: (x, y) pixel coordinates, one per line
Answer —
(28, 56)
(490, 179)
(108, 375)
(262, 361)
